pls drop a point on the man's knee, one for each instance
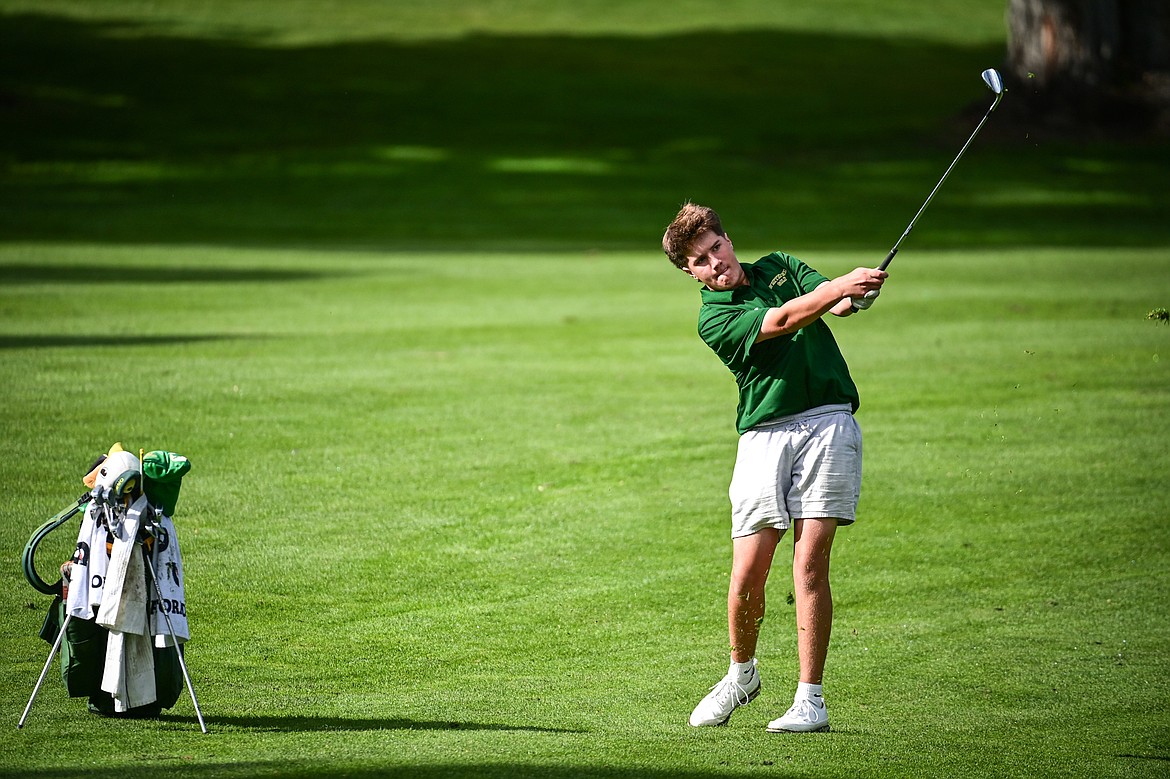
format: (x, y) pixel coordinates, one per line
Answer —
(749, 582)
(810, 561)
(811, 571)
(810, 579)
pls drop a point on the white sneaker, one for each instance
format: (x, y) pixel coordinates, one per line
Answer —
(725, 697)
(805, 716)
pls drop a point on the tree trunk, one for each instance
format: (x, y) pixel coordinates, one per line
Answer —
(1101, 62)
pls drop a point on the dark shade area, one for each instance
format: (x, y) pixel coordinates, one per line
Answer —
(536, 142)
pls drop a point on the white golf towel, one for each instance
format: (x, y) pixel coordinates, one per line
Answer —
(129, 672)
(125, 599)
(168, 567)
(88, 573)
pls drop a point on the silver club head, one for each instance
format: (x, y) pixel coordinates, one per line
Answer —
(993, 80)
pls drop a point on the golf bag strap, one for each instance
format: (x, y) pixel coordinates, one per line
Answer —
(28, 559)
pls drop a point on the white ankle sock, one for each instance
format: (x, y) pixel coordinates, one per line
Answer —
(810, 691)
(742, 671)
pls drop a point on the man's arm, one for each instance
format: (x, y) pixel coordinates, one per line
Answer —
(829, 296)
(844, 307)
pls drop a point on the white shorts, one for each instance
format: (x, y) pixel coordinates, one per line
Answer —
(800, 467)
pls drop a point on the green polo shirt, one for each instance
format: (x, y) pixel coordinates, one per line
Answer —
(781, 376)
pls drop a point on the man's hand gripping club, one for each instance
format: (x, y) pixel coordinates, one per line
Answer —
(834, 296)
(861, 288)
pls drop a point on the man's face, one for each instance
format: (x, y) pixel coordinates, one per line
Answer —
(711, 259)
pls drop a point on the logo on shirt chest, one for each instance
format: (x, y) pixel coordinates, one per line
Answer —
(779, 280)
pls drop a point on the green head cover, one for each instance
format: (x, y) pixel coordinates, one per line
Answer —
(164, 472)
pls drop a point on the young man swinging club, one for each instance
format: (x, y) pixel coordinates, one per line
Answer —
(799, 459)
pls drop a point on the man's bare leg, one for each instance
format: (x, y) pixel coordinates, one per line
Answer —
(750, 563)
(813, 542)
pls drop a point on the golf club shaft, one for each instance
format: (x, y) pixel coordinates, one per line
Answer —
(890, 256)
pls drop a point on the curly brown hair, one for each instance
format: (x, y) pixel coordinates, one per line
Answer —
(691, 222)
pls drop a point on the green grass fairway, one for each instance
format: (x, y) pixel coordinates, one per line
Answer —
(466, 513)
(388, 274)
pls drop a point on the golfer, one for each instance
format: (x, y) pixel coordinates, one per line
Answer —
(799, 460)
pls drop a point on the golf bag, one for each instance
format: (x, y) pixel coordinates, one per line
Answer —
(119, 611)
(83, 662)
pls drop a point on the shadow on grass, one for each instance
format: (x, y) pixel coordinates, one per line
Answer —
(23, 273)
(301, 770)
(315, 724)
(38, 341)
(112, 134)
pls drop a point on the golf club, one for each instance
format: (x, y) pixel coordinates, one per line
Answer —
(994, 82)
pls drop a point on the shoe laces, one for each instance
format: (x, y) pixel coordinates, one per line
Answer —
(806, 710)
(729, 688)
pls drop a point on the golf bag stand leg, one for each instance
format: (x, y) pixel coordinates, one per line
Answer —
(45, 672)
(175, 641)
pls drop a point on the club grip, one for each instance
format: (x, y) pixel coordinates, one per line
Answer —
(889, 258)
